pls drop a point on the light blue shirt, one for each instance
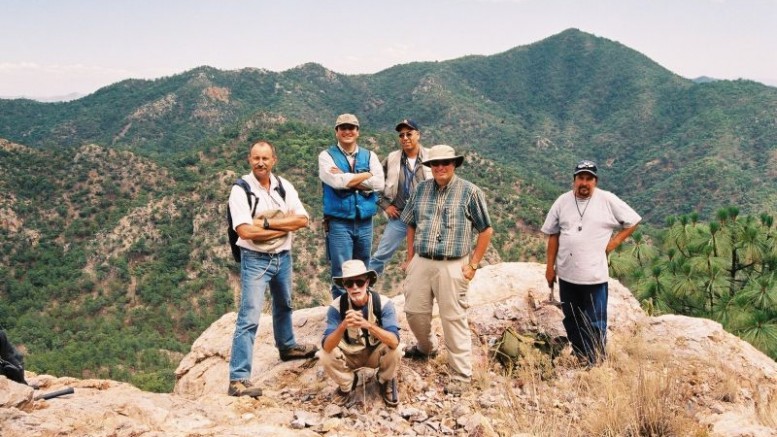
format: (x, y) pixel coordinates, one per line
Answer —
(387, 311)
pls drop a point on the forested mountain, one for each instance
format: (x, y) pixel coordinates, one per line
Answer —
(536, 108)
(112, 216)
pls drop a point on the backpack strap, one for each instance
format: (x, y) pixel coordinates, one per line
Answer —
(376, 307)
(343, 310)
(343, 307)
(242, 183)
(280, 189)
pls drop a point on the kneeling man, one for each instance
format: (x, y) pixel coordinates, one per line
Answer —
(361, 331)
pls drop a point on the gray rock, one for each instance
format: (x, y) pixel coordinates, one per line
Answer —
(200, 406)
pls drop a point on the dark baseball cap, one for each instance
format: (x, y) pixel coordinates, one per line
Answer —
(407, 123)
(586, 166)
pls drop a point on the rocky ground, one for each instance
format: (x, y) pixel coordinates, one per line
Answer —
(665, 375)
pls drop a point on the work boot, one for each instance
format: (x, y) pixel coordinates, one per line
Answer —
(243, 388)
(415, 353)
(342, 397)
(456, 387)
(298, 352)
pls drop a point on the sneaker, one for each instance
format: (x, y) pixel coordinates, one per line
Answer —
(243, 388)
(456, 387)
(390, 392)
(414, 353)
(299, 352)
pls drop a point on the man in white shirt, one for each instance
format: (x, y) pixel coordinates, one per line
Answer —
(580, 227)
(264, 226)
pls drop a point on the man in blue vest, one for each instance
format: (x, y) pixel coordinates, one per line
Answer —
(351, 177)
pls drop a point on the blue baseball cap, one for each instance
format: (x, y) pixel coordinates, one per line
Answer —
(407, 123)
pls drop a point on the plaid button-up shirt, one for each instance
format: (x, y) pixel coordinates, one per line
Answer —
(444, 218)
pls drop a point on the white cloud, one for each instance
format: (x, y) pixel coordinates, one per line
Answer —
(17, 78)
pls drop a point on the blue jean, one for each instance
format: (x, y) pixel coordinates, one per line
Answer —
(393, 236)
(347, 240)
(585, 318)
(257, 271)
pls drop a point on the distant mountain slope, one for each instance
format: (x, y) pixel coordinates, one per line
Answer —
(112, 261)
(536, 109)
(112, 218)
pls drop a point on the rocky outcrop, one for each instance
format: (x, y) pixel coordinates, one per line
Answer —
(723, 385)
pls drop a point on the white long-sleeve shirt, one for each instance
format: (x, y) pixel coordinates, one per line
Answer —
(340, 180)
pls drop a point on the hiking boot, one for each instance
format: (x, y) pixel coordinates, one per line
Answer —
(342, 396)
(414, 353)
(299, 352)
(390, 392)
(455, 387)
(243, 388)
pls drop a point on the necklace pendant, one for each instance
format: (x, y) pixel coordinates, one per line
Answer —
(579, 228)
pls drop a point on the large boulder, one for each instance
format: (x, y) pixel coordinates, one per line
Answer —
(719, 383)
(507, 294)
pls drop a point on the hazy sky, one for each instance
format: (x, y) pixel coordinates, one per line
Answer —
(56, 47)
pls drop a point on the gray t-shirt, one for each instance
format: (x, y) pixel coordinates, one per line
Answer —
(585, 228)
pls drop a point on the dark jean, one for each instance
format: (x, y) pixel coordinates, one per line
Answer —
(257, 272)
(347, 240)
(585, 318)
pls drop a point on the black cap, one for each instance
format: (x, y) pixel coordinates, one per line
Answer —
(586, 166)
(407, 123)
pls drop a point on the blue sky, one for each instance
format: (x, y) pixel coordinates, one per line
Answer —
(57, 47)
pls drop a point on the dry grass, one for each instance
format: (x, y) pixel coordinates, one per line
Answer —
(727, 390)
(766, 407)
(635, 392)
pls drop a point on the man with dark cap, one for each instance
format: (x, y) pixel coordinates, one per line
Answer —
(441, 216)
(580, 227)
(351, 178)
(403, 171)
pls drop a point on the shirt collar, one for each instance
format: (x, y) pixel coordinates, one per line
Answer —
(273, 181)
(351, 155)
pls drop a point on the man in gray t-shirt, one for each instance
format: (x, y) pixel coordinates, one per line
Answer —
(580, 227)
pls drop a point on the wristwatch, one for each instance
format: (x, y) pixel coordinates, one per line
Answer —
(473, 266)
(266, 223)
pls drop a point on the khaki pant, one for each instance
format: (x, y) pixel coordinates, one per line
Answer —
(341, 366)
(444, 281)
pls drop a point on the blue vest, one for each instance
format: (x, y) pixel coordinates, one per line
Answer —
(350, 203)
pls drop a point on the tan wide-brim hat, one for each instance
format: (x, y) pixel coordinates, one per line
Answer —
(353, 268)
(442, 152)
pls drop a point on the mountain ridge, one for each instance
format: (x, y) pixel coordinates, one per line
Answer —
(113, 221)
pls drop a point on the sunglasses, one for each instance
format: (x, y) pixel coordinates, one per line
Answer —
(405, 135)
(347, 127)
(442, 162)
(348, 283)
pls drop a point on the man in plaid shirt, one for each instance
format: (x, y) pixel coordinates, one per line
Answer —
(442, 216)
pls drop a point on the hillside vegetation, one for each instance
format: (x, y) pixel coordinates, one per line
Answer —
(112, 220)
